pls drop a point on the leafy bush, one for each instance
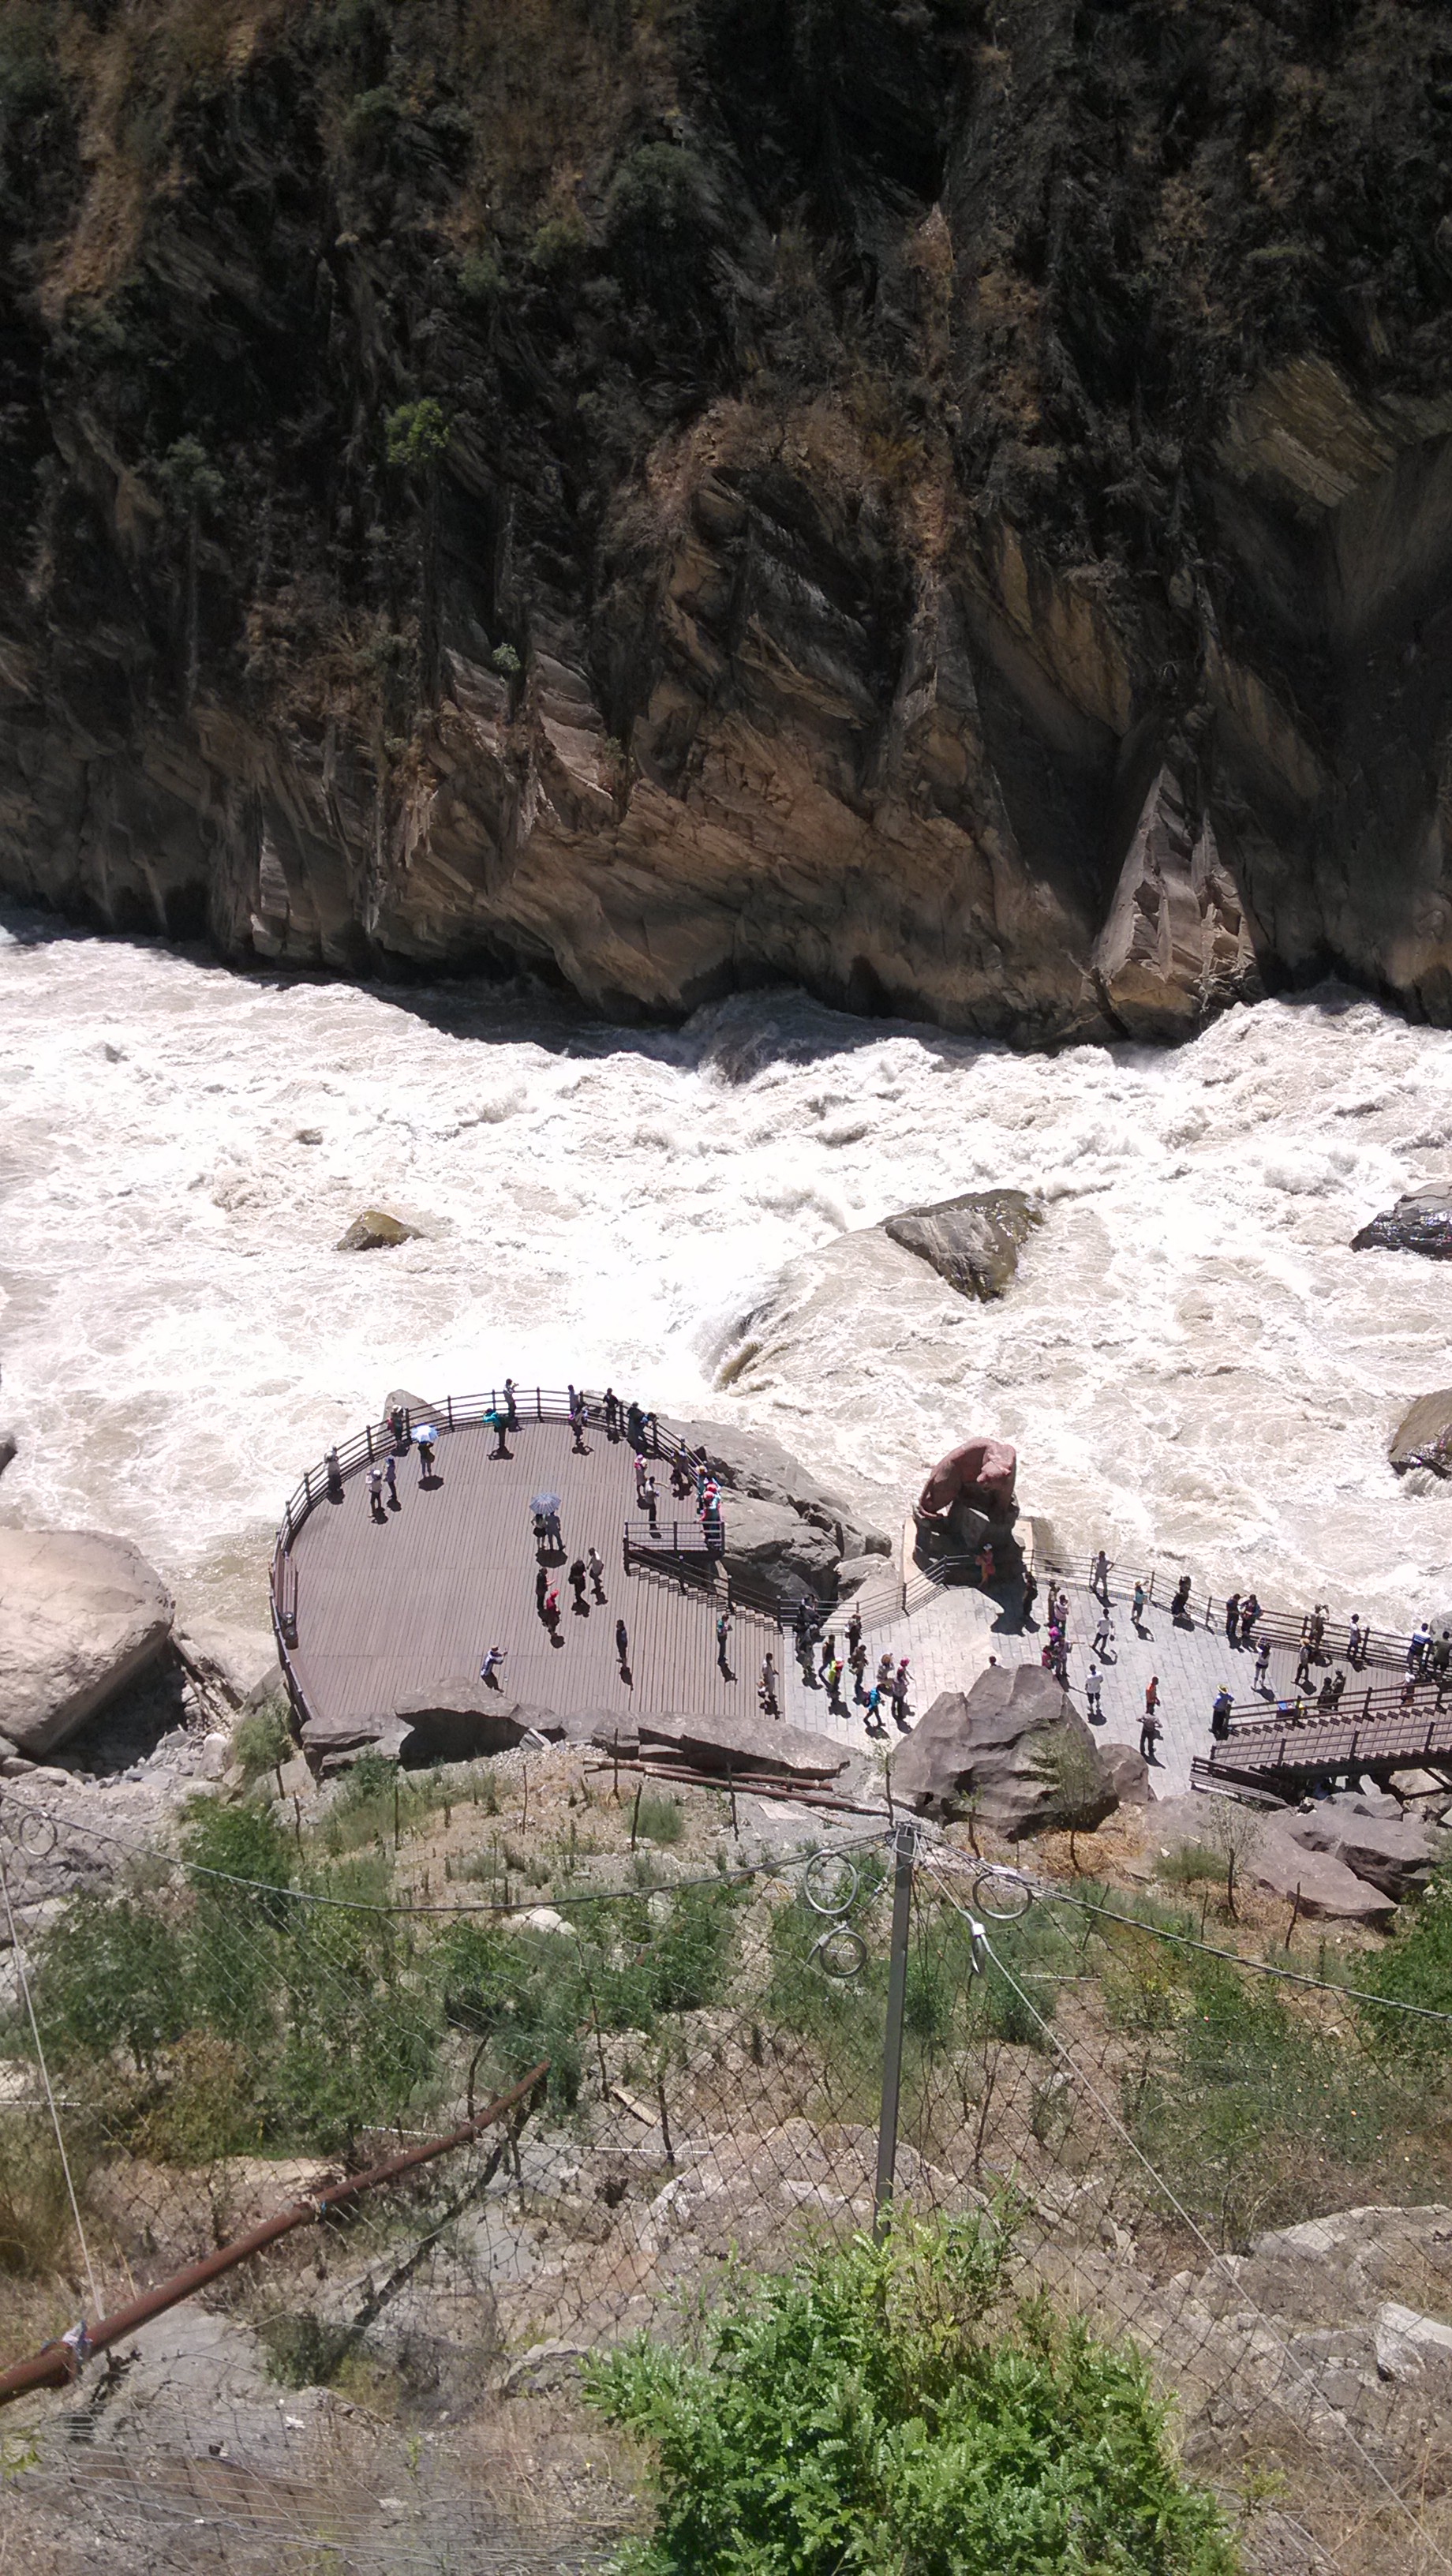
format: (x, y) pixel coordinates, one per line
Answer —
(560, 244)
(861, 2413)
(1190, 1865)
(417, 434)
(1416, 1968)
(372, 120)
(263, 1740)
(480, 278)
(657, 220)
(506, 661)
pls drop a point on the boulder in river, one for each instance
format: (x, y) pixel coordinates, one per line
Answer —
(1421, 1222)
(374, 1230)
(1013, 1750)
(972, 1241)
(81, 1616)
(1423, 1437)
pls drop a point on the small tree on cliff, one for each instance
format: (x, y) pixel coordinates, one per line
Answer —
(193, 486)
(418, 435)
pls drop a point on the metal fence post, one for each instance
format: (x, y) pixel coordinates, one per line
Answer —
(905, 1844)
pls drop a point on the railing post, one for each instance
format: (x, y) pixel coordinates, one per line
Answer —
(307, 1489)
(449, 1410)
(539, 1417)
(906, 1840)
(370, 1439)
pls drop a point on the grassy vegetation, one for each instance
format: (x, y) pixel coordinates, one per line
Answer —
(226, 2010)
(877, 2407)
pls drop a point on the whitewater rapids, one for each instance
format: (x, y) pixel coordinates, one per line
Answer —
(1194, 1366)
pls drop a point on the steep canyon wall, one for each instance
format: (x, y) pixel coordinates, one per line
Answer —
(950, 503)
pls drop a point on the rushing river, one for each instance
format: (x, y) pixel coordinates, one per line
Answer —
(1192, 1363)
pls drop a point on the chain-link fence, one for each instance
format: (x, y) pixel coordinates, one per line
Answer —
(1241, 2163)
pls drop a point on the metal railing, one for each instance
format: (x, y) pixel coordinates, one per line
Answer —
(1277, 1627)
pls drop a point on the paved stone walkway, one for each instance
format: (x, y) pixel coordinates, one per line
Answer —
(948, 1642)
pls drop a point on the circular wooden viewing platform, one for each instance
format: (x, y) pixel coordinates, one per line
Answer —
(373, 1607)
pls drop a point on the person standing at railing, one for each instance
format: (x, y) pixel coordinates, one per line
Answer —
(511, 1408)
(1232, 1619)
(335, 1477)
(579, 1416)
(1249, 1613)
(1099, 1579)
(1355, 1642)
(1179, 1607)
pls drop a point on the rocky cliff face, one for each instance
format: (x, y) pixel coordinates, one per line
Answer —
(950, 503)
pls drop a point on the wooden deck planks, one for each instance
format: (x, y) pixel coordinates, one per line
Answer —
(385, 1610)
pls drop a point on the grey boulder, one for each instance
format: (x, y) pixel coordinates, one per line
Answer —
(973, 1242)
(456, 1725)
(1423, 1437)
(756, 1463)
(240, 1663)
(1012, 1750)
(1421, 1222)
(1393, 1852)
(81, 1616)
(1128, 1773)
(9, 1448)
(776, 1546)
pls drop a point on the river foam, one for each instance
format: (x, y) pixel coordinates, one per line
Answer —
(1193, 1363)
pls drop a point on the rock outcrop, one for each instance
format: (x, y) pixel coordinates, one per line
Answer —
(81, 1616)
(9, 1448)
(1423, 1437)
(1421, 1222)
(1268, 1855)
(973, 1242)
(1040, 634)
(1012, 1750)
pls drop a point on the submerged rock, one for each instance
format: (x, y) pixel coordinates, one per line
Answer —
(81, 1615)
(374, 1230)
(1421, 1222)
(1423, 1437)
(973, 1242)
(1013, 1750)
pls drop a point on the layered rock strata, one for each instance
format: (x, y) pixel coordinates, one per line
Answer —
(915, 515)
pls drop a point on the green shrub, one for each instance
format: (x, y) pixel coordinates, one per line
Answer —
(1416, 1968)
(560, 244)
(657, 221)
(480, 278)
(659, 1819)
(862, 2413)
(263, 1741)
(1190, 1865)
(372, 120)
(506, 661)
(417, 434)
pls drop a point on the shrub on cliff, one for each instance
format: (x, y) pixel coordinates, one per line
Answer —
(657, 220)
(868, 2411)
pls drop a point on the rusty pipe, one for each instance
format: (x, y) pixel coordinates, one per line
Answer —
(56, 2363)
